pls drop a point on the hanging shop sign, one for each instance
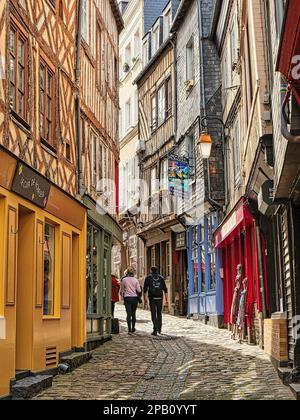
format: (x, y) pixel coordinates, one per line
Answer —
(181, 241)
(266, 197)
(30, 185)
(179, 176)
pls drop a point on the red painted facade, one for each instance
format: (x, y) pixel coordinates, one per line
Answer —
(289, 56)
(237, 237)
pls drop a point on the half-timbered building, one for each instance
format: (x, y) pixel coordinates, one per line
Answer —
(42, 225)
(100, 25)
(156, 86)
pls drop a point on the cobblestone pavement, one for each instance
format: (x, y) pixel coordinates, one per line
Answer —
(191, 362)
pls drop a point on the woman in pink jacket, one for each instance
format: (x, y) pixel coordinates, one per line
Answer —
(130, 290)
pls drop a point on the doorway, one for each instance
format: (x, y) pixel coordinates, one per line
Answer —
(76, 305)
(25, 288)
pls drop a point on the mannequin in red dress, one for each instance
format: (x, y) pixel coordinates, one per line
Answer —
(236, 301)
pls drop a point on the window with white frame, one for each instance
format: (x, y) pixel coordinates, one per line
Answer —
(190, 60)
(146, 48)
(236, 152)
(127, 62)
(121, 123)
(161, 105)
(94, 177)
(190, 152)
(279, 14)
(137, 45)
(153, 182)
(167, 19)
(85, 20)
(136, 107)
(155, 39)
(154, 112)
(164, 175)
(128, 115)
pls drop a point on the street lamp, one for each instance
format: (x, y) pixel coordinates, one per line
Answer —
(205, 139)
(205, 145)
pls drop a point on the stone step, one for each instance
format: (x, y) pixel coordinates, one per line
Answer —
(76, 360)
(295, 388)
(29, 387)
(22, 374)
(285, 375)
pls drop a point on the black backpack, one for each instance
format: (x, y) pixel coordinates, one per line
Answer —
(156, 290)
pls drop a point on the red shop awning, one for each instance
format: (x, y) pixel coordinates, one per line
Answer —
(289, 54)
(239, 219)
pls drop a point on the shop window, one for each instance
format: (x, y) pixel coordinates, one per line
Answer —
(18, 92)
(49, 269)
(168, 258)
(93, 270)
(153, 257)
(212, 254)
(203, 259)
(105, 281)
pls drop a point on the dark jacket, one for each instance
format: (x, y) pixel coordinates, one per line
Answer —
(148, 282)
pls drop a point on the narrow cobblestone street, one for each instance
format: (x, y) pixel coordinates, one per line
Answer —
(190, 362)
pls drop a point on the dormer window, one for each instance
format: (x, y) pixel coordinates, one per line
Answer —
(167, 23)
(146, 49)
(155, 38)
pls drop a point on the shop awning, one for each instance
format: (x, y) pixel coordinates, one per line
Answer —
(289, 54)
(240, 218)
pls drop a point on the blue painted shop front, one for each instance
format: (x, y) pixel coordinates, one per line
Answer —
(204, 273)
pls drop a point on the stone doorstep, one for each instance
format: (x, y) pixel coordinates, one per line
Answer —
(284, 374)
(29, 387)
(295, 388)
(76, 359)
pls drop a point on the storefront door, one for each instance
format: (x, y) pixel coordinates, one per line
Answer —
(21, 235)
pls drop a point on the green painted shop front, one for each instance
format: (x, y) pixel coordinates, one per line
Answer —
(103, 232)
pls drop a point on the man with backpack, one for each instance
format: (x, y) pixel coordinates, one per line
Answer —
(155, 287)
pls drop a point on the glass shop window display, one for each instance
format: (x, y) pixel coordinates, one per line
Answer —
(49, 269)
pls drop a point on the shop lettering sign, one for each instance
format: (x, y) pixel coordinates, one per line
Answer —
(31, 186)
(229, 226)
(181, 241)
(179, 176)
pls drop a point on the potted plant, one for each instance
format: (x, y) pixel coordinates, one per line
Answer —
(126, 67)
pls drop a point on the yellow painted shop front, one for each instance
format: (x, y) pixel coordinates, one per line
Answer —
(42, 273)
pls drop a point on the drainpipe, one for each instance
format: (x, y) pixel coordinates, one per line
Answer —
(175, 96)
(261, 272)
(201, 54)
(80, 187)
